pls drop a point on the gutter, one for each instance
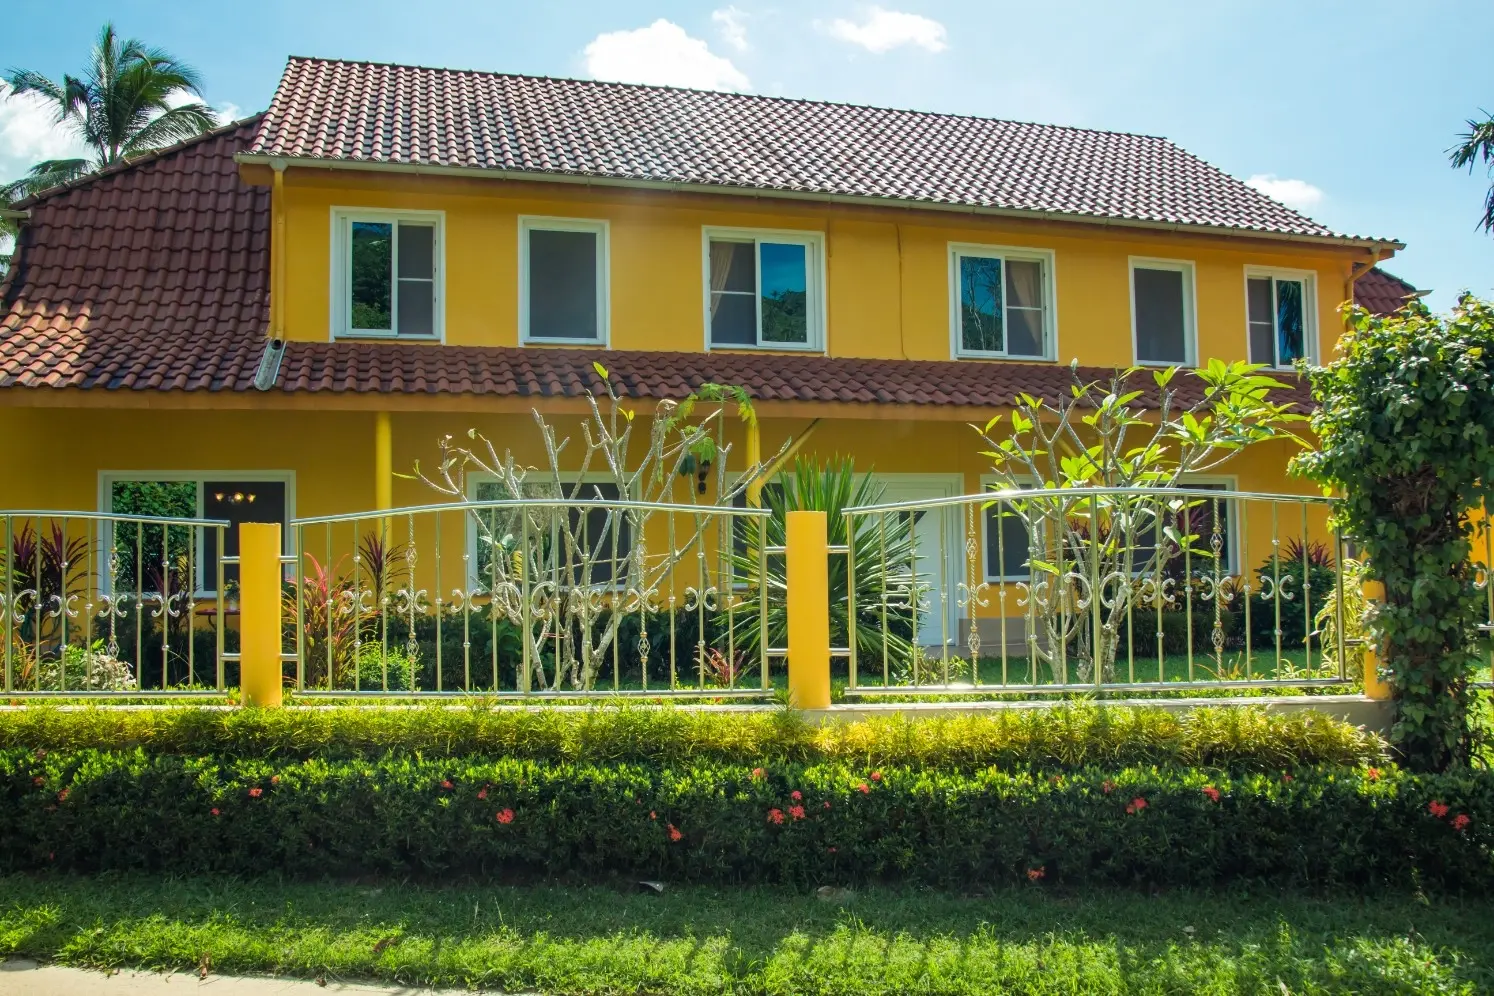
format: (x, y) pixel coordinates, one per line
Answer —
(673, 186)
(268, 371)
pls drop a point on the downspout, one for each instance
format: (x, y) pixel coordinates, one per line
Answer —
(268, 371)
(773, 469)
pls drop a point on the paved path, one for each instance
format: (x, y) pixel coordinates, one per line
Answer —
(27, 978)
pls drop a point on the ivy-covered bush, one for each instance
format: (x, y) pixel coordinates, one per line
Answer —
(398, 816)
(1405, 421)
(1047, 739)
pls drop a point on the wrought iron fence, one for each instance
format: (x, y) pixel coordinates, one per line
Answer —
(1116, 589)
(102, 604)
(539, 597)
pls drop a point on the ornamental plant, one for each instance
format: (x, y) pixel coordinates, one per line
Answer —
(1406, 422)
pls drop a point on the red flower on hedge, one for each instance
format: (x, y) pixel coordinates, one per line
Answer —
(62, 796)
(775, 816)
(864, 788)
(832, 850)
(38, 781)
(1036, 874)
(758, 774)
(1373, 774)
(1438, 809)
(505, 816)
(482, 793)
(674, 833)
(1136, 806)
(446, 783)
(1211, 792)
(274, 779)
(876, 776)
(1286, 777)
(256, 792)
(214, 810)
(797, 812)
(827, 803)
(1461, 821)
(1107, 786)
(796, 795)
(653, 815)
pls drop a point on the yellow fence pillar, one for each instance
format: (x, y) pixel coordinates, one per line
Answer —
(808, 571)
(1375, 687)
(383, 462)
(259, 613)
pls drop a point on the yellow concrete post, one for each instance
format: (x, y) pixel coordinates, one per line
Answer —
(1375, 687)
(259, 613)
(383, 462)
(808, 570)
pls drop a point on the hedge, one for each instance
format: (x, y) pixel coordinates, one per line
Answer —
(438, 818)
(1049, 738)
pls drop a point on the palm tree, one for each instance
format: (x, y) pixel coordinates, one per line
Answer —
(126, 104)
(1477, 146)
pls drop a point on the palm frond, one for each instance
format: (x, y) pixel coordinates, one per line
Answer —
(176, 125)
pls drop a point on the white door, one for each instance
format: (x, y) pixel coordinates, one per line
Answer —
(938, 553)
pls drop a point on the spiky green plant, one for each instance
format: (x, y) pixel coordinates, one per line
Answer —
(884, 553)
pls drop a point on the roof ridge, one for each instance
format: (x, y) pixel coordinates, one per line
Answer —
(145, 158)
(737, 94)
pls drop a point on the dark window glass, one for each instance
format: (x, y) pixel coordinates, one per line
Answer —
(1291, 339)
(563, 289)
(372, 270)
(981, 325)
(785, 307)
(417, 270)
(1262, 320)
(594, 539)
(1006, 543)
(237, 501)
(1024, 307)
(1197, 520)
(1161, 316)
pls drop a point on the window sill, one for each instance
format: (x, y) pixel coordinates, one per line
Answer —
(765, 347)
(382, 337)
(1164, 364)
(966, 355)
(594, 343)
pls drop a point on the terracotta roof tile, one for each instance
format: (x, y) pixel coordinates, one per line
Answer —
(375, 113)
(1382, 293)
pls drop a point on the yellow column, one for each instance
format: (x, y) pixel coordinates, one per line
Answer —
(259, 613)
(383, 462)
(754, 457)
(808, 579)
(1375, 687)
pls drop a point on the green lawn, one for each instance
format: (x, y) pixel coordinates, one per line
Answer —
(695, 941)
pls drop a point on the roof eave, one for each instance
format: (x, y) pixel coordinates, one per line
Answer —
(676, 186)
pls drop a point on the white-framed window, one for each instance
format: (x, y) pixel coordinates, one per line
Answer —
(237, 496)
(1005, 546)
(1164, 318)
(764, 289)
(1281, 315)
(604, 535)
(1001, 302)
(564, 281)
(387, 271)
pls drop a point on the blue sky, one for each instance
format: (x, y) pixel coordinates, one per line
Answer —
(1346, 108)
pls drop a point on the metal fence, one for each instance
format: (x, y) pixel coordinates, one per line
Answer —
(1115, 589)
(540, 597)
(103, 604)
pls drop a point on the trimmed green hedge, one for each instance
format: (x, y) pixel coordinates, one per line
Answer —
(1061, 737)
(436, 818)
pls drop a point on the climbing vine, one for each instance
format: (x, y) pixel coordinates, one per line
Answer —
(1405, 421)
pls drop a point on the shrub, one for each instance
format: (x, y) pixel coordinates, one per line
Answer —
(1048, 739)
(400, 816)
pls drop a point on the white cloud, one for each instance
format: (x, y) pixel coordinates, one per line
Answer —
(884, 30)
(732, 23)
(1298, 194)
(29, 133)
(661, 54)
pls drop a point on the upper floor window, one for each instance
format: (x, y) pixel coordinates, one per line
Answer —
(1162, 313)
(1001, 302)
(386, 272)
(1279, 307)
(763, 289)
(563, 281)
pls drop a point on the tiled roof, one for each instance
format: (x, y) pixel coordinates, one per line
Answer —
(153, 277)
(355, 112)
(154, 273)
(1382, 293)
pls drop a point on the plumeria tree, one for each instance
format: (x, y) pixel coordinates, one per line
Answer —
(1096, 556)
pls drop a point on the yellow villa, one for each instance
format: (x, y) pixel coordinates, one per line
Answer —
(283, 316)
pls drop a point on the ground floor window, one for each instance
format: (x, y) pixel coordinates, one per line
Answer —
(148, 558)
(599, 535)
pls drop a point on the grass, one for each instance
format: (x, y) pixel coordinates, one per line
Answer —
(559, 939)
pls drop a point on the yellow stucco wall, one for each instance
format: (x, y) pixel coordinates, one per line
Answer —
(887, 270)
